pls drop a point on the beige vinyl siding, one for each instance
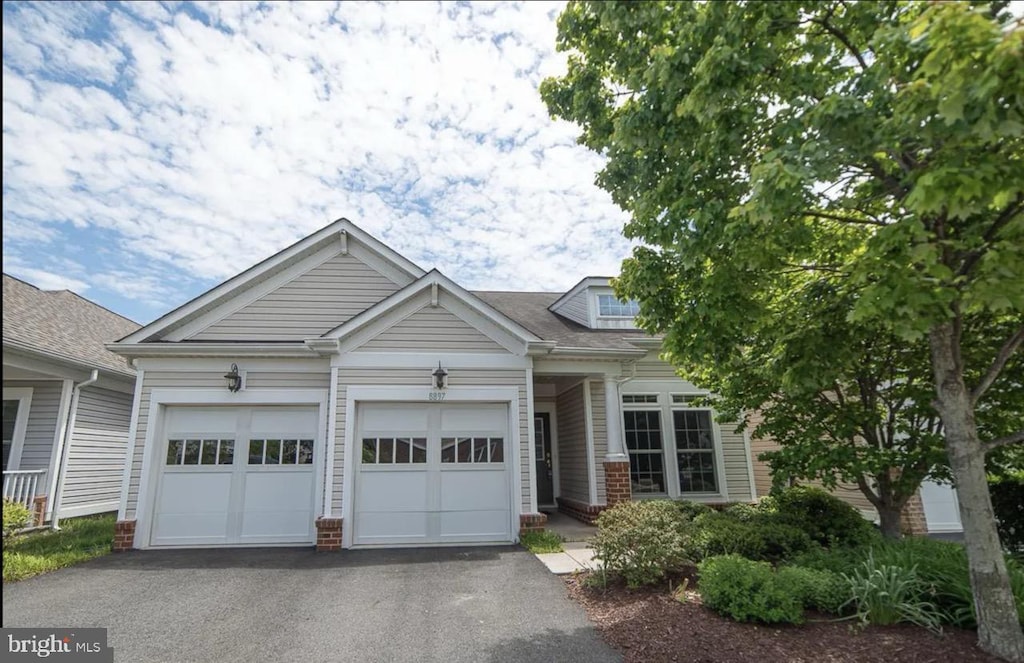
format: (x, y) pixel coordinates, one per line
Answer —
(573, 476)
(847, 492)
(654, 370)
(309, 305)
(464, 377)
(576, 309)
(97, 452)
(200, 380)
(42, 424)
(737, 465)
(600, 426)
(432, 329)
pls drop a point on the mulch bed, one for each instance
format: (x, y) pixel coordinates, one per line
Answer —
(650, 626)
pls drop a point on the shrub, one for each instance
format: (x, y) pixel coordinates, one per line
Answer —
(1008, 501)
(825, 518)
(541, 541)
(742, 511)
(640, 541)
(942, 567)
(761, 537)
(746, 590)
(690, 510)
(886, 594)
(16, 516)
(824, 591)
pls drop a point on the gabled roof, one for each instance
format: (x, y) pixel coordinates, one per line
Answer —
(433, 279)
(533, 311)
(63, 325)
(339, 231)
(584, 283)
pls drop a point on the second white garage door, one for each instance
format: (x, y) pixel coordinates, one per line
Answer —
(432, 474)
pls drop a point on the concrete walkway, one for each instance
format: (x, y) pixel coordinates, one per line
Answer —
(577, 556)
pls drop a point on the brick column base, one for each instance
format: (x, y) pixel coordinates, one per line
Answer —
(616, 482)
(585, 513)
(532, 522)
(912, 518)
(328, 534)
(124, 535)
(39, 510)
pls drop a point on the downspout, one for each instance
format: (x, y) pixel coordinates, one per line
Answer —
(65, 452)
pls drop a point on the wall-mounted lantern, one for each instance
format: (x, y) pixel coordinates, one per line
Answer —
(439, 376)
(234, 379)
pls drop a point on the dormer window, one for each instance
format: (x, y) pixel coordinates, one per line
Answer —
(608, 306)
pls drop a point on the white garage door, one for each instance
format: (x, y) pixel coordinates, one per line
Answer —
(432, 474)
(233, 476)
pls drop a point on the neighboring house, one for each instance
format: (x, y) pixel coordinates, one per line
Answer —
(338, 394)
(933, 510)
(67, 402)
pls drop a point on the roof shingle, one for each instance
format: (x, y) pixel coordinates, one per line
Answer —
(530, 309)
(61, 323)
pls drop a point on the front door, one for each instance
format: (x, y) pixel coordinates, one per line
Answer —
(542, 451)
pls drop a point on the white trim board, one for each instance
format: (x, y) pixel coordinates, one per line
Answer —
(159, 399)
(24, 397)
(460, 302)
(330, 239)
(356, 394)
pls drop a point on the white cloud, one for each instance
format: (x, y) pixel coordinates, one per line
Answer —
(200, 149)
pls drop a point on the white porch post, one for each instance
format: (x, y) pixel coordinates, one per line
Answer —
(613, 421)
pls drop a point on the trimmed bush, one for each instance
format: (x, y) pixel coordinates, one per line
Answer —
(1008, 501)
(824, 591)
(16, 516)
(743, 511)
(641, 541)
(760, 538)
(825, 518)
(746, 590)
(690, 510)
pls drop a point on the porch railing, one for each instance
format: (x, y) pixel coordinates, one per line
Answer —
(23, 485)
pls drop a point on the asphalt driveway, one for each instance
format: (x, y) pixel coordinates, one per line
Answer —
(445, 604)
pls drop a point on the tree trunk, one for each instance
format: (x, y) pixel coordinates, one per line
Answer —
(889, 521)
(999, 631)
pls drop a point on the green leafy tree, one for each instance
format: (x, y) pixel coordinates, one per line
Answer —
(857, 166)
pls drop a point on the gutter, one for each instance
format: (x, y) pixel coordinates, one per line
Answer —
(66, 447)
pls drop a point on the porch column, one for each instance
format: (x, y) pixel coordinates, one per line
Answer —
(616, 460)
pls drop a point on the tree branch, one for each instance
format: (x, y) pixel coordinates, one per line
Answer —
(841, 219)
(841, 36)
(1013, 438)
(1012, 210)
(998, 363)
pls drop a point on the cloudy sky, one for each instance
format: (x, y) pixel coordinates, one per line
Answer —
(152, 150)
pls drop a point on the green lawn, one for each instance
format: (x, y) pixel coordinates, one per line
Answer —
(541, 542)
(79, 539)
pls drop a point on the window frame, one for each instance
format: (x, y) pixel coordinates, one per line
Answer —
(610, 316)
(23, 395)
(666, 476)
(666, 406)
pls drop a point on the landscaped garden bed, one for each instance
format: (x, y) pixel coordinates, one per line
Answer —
(798, 577)
(649, 625)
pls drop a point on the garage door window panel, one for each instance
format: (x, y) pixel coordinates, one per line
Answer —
(183, 452)
(271, 452)
(474, 451)
(394, 450)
